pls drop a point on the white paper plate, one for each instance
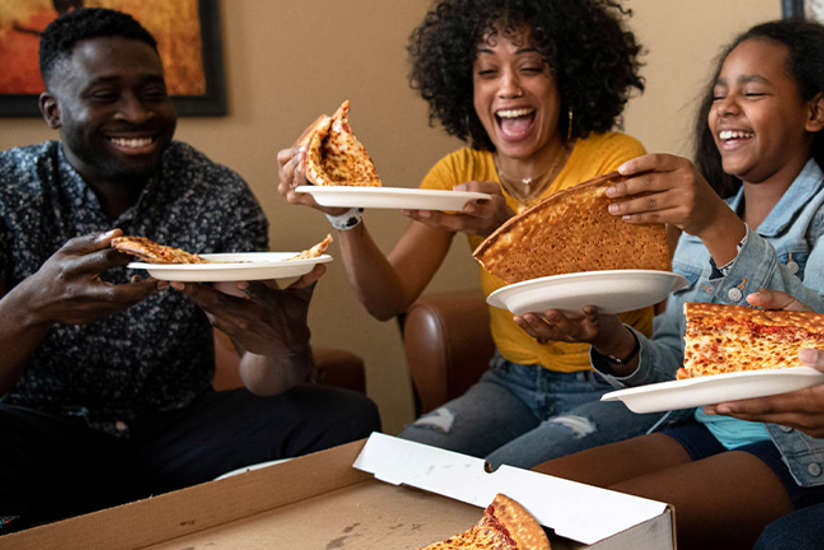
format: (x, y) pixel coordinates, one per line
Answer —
(239, 266)
(709, 390)
(612, 291)
(390, 197)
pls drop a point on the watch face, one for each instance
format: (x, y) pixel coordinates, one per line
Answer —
(814, 10)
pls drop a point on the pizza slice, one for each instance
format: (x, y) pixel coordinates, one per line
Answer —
(571, 231)
(334, 156)
(725, 338)
(504, 525)
(154, 253)
(315, 251)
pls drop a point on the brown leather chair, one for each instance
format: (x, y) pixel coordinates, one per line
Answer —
(448, 345)
(334, 367)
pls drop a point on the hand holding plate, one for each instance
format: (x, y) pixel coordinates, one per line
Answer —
(290, 162)
(478, 217)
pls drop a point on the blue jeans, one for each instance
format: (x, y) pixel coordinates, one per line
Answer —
(799, 530)
(523, 415)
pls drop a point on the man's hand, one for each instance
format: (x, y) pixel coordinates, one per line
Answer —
(801, 409)
(67, 288)
(478, 217)
(260, 317)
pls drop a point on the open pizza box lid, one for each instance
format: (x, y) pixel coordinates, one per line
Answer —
(576, 511)
(379, 493)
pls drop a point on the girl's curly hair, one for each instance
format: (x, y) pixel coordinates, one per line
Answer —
(805, 64)
(593, 57)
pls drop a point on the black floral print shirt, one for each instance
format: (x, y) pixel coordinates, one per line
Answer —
(158, 354)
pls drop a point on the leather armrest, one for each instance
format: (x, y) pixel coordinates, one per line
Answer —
(448, 344)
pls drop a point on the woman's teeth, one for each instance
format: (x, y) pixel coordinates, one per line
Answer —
(513, 113)
(734, 134)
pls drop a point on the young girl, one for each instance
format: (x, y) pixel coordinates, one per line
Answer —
(760, 147)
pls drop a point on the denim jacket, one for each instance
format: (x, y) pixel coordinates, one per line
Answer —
(782, 254)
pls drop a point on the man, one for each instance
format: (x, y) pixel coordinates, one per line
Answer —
(106, 379)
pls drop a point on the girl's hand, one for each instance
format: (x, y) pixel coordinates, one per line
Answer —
(478, 217)
(661, 188)
(290, 162)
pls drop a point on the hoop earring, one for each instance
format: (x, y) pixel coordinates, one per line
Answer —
(569, 126)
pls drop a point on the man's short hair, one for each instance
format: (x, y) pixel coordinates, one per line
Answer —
(60, 37)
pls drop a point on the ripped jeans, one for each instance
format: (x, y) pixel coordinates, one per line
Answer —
(523, 415)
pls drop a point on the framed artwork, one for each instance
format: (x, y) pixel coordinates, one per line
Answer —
(808, 9)
(188, 41)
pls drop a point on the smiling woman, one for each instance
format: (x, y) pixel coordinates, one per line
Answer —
(511, 79)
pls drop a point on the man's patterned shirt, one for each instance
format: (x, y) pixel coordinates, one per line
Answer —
(158, 354)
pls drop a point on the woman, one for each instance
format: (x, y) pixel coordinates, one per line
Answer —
(760, 145)
(534, 87)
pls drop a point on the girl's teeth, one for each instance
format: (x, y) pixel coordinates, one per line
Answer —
(734, 134)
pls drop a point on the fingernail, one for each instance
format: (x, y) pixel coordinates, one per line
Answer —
(614, 209)
(808, 355)
(460, 187)
(161, 285)
(103, 236)
(177, 285)
(611, 191)
(135, 279)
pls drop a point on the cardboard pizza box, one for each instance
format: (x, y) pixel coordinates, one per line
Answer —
(378, 493)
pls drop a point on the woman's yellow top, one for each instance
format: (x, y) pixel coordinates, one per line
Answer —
(592, 156)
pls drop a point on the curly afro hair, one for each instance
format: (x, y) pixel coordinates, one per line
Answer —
(593, 57)
(805, 64)
(60, 37)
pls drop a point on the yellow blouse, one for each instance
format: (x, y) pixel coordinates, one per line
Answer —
(590, 157)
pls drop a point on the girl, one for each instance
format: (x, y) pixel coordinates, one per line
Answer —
(759, 145)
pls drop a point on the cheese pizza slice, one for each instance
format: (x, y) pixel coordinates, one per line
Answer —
(154, 253)
(315, 251)
(334, 156)
(725, 338)
(504, 525)
(571, 231)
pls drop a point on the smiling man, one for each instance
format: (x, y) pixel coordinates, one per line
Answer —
(105, 380)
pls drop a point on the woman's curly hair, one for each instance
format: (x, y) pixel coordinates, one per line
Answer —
(805, 64)
(593, 58)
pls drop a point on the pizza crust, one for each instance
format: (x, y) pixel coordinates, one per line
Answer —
(572, 231)
(504, 525)
(723, 338)
(152, 252)
(315, 251)
(334, 156)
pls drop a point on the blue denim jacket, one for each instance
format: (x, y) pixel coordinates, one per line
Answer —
(783, 254)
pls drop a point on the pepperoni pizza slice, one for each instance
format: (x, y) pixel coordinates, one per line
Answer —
(505, 525)
(334, 156)
(154, 253)
(725, 338)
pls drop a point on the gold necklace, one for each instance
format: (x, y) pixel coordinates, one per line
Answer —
(524, 196)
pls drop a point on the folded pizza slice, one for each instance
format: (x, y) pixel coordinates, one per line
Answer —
(334, 156)
(154, 253)
(723, 338)
(571, 231)
(504, 525)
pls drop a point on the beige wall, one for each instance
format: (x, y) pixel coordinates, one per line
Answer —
(288, 61)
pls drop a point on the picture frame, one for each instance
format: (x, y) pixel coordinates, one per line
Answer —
(208, 96)
(808, 9)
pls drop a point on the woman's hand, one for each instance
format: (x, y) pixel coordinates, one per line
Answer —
(290, 162)
(801, 409)
(602, 330)
(478, 217)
